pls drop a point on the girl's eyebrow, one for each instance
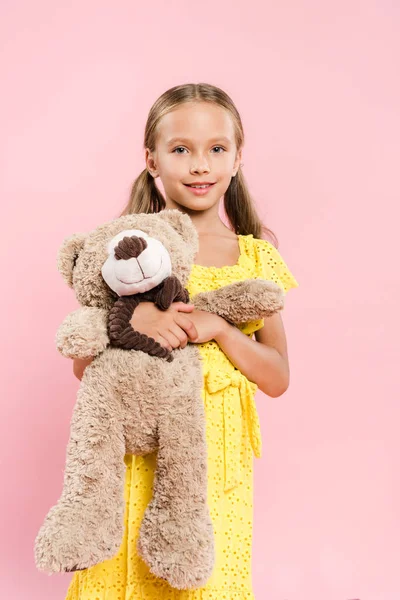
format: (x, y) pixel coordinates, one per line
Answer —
(214, 139)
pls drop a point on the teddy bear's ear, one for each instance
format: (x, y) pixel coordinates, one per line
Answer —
(183, 224)
(68, 254)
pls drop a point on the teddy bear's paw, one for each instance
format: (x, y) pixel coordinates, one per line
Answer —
(260, 298)
(83, 333)
(264, 291)
(70, 540)
(179, 550)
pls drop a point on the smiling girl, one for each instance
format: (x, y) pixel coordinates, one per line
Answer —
(193, 143)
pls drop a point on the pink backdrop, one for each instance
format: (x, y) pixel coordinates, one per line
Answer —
(317, 85)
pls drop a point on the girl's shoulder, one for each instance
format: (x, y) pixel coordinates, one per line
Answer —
(268, 262)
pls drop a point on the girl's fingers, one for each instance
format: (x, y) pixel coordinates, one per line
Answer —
(180, 334)
(171, 338)
(182, 307)
(163, 342)
(187, 325)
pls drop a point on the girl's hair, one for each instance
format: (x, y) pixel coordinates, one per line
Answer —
(239, 207)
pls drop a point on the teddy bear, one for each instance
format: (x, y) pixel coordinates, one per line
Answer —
(136, 397)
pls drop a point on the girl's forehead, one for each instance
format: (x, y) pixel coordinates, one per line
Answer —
(196, 122)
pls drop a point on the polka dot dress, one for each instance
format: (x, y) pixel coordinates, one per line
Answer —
(233, 439)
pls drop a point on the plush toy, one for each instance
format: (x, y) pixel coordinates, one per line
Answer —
(136, 397)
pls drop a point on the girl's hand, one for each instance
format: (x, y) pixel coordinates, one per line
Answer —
(208, 325)
(170, 328)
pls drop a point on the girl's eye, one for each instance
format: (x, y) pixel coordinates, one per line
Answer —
(182, 148)
(179, 148)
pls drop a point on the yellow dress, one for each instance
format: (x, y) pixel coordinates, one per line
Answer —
(233, 436)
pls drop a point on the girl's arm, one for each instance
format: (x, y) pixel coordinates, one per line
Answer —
(263, 360)
(80, 365)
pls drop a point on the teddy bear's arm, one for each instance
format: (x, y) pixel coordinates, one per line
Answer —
(171, 291)
(83, 333)
(242, 301)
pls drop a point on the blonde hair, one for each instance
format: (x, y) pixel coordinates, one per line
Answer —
(239, 206)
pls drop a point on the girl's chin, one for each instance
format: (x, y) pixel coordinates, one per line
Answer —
(196, 203)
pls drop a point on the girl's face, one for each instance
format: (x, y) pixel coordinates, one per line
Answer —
(195, 143)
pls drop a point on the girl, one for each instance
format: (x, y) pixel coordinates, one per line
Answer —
(194, 137)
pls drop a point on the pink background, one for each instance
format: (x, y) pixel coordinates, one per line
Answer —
(317, 85)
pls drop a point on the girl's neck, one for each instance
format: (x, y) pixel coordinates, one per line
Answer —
(208, 222)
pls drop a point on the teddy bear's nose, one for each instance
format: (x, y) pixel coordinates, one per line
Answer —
(130, 247)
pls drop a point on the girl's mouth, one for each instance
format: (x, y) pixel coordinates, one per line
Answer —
(200, 190)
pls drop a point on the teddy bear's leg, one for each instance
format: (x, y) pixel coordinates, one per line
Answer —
(242, 301)
(176, 537)
(85, 527)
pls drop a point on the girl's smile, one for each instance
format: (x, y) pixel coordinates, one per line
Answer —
(199, 191)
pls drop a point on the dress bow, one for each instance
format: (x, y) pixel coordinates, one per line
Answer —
(239, 411)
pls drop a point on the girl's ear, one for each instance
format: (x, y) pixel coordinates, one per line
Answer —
(68, 255)
(183, 224)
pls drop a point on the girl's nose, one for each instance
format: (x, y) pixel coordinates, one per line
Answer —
(200, 166)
